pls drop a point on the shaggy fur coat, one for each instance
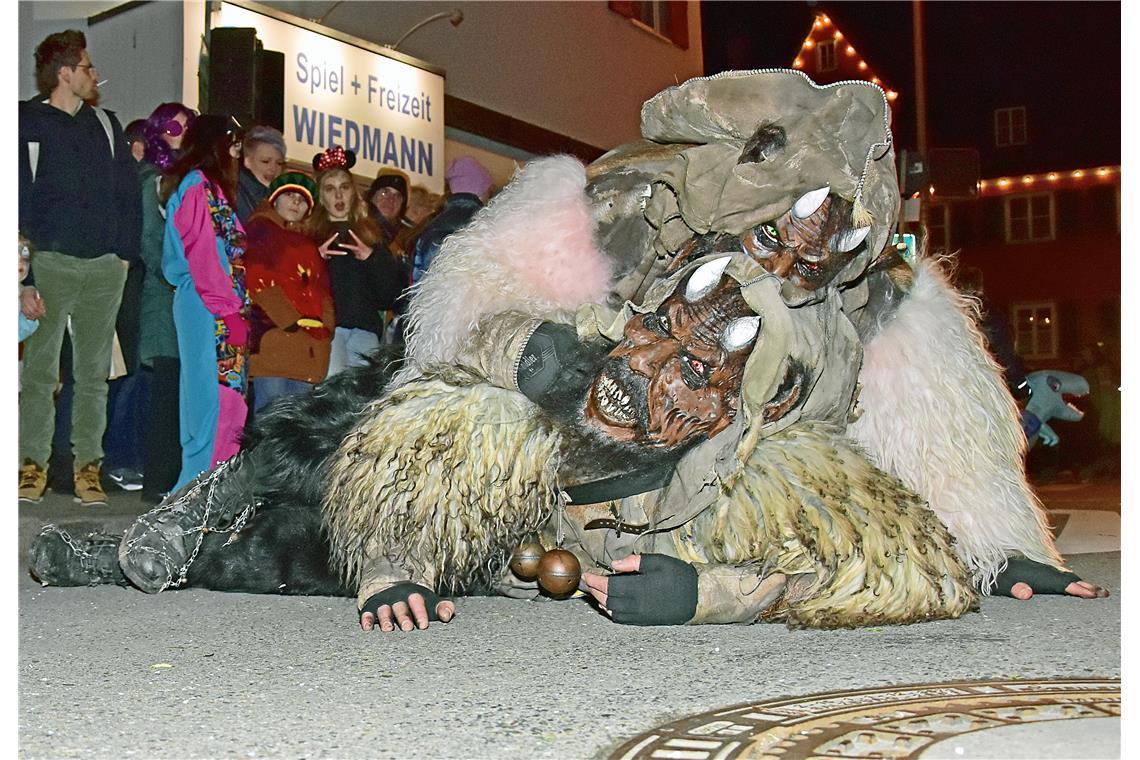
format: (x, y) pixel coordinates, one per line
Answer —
(936, 413)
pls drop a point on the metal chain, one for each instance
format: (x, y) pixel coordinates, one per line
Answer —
(87, 560)
(67, 539)
(201, 528)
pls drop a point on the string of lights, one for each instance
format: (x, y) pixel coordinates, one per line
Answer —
(1072, 178)
(823, 32)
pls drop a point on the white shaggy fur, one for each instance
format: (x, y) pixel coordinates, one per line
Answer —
(937, 414)
(532, 250)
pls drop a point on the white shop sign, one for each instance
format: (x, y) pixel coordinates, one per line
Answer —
(340, 91)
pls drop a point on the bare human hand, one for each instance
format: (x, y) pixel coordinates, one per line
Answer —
(1023, 579)
(31, 304)
(359, 249)
(599, 585)
(326, 249)
(404, 608)
(1083, 589)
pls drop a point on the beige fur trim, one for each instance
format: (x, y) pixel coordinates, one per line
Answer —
(809, 503)
(448, 477)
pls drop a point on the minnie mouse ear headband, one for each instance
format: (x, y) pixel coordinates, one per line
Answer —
(293, 182)
(334, 158)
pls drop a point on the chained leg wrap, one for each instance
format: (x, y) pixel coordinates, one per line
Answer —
(76, 555)
(158, 550)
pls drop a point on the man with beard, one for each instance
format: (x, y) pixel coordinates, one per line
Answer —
(79, 206)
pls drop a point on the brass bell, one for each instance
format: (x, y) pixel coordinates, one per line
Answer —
(524, 561)
(558, 573)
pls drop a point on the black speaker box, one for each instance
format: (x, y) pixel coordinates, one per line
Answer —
(269, 89)
(233, 73)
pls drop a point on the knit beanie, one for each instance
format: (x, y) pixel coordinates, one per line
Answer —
(389, 179)
(466, 175)
(293, 182)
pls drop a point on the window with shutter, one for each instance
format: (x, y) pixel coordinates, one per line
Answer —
(665, 18)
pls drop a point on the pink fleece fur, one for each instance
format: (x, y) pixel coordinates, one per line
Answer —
(532, 250)
(551, 248)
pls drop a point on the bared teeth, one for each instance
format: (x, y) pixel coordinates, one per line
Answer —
(613, 400)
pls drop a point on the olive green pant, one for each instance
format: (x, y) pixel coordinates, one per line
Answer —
(88, 291)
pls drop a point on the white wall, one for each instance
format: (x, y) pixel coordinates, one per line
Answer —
(575, 68)
(138, 51)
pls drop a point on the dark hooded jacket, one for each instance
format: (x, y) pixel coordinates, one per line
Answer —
(79, 198)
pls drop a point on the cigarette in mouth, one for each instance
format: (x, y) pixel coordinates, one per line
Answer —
(102, 82)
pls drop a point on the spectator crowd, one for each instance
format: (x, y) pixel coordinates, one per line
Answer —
(181, 273)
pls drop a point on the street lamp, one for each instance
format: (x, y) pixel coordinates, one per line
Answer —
(454, 16)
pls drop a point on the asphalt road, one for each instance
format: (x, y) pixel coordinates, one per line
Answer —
(110, 672)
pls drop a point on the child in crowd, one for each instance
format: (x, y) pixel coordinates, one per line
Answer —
(288, 284)
(31, 305)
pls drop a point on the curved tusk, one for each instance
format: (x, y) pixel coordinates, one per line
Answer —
(810, 202)
(739, 333)
(704, 278)
(843, 242)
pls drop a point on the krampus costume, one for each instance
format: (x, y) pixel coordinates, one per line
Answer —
(666, 358)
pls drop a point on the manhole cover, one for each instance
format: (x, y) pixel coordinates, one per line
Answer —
(960, 719)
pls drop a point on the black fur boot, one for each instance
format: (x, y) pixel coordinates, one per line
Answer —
(155, 550)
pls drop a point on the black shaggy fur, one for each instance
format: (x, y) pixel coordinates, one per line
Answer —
(284, 459)
(291, 440)
(282, 550)
(765, 141)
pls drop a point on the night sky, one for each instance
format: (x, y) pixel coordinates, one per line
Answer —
(1059, 59)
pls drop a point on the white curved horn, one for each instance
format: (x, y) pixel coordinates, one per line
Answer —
(739, 333)
(810, 202)
(705, 278)
(848, 241)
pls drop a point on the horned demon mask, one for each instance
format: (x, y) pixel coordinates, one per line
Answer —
(799, 176)
(675, 376)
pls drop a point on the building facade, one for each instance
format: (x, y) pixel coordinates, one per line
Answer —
(522, 78)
